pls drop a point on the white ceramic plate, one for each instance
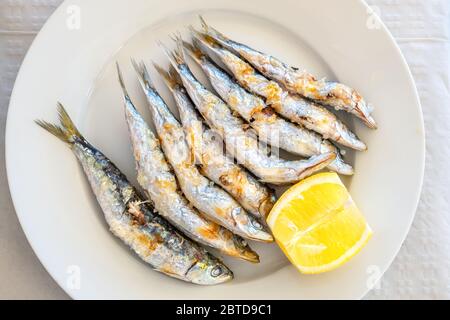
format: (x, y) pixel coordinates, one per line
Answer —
(337, 39)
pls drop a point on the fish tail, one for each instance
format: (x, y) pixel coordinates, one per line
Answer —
(211, 31)
(66, 131)
(171, 77)
(175, 59)
(194, 51)
(122, 83)
(195, 33)
(143, 74)
(204, 40)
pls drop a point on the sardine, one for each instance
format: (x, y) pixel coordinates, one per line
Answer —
(241, 145)
(296, 80)
(271, 128)
(157, 179)
(290, 106)
(133, 220)
(207, 147)
(207, 197)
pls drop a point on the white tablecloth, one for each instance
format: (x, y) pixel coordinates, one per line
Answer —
(422, 268)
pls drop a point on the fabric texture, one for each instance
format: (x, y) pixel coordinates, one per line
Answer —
(422, 268)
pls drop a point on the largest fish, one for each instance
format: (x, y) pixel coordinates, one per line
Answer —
(243, 146)
(156, 177)
(330, 93)
(133, 220)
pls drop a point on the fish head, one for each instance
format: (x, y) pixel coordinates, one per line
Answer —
(209, 272)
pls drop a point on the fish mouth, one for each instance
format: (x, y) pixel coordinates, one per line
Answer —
(250, 256)
(323, 161)
(363, 113)
(256, 233)
(223, 278)
(241, 250)
(368, 120)
(342, 168)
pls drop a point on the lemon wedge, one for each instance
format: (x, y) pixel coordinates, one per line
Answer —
(317, 224)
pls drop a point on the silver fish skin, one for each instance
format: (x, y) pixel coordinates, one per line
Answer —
(133, 220)
(241, 145)
(157, 179)
(207, 197)
(207, 147)
(270, 127)
(290, 106)
(296, 80)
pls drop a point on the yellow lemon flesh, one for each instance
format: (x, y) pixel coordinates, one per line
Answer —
(317, 224)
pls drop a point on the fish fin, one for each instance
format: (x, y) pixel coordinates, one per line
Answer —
(122, 83)
(201, 39)
(194, 51)
(66, 131)
(178, 53)
(203, 21)
(54, 129)
(212, 31)
(171, 77)
(143, 74)
(67, 123)
(194, 32)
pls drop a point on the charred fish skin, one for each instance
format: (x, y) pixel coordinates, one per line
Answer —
(298, 81)
(207, 197)
(241, 145)
(291, 106)
(271, 128)
(156, 177)
(207, 147)
(133, 220)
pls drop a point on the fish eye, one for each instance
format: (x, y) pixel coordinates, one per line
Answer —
(256, 224)
(243, 242)
(216, 271)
